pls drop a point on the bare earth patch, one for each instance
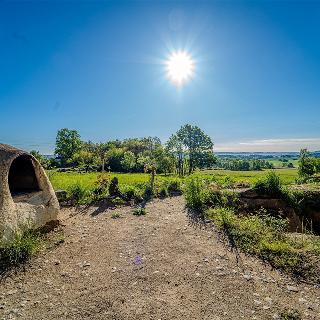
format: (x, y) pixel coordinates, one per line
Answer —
(157, 266)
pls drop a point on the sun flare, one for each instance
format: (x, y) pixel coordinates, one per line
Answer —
(179, 67)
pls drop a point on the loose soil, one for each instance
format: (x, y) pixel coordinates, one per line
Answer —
(158, 266)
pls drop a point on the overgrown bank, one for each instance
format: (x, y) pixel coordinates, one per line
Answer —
(259, 232)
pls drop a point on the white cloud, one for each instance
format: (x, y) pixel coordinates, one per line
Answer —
(270, 145)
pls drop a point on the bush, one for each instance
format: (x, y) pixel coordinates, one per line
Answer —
(19, 250)
(194, 193)
(139, 212)
(264, 236)
(290, 315)
(78, 194)
(174, 185)
(270, 185)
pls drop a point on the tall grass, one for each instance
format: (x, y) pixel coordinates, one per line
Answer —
(19, 250)
(265, 236)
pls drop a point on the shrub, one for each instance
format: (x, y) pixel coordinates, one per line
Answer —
(132, 192)
(78, 194)
(290, 315)
(115, 215)
(194, 193)
(264, 236)
(174, 185)
(102, 183)
(163, 192)
(19, 250)
(139, 212)
(270, 185)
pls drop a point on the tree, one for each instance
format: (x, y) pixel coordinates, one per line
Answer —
(129, 161)
(101, 150)
(85, 159)
(114, 156)
(68, 143)
(306, 164)
(175, 147)
(195, 142)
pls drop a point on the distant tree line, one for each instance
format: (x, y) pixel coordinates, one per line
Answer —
(186, 150)
(243, 165)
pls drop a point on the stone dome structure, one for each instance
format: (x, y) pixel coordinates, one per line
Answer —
(26, 194)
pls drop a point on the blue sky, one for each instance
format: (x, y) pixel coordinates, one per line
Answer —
(98, 67)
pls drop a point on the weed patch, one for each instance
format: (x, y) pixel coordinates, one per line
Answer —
(264, 236)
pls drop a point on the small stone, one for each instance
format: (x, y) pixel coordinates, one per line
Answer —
(205, 260)
(2, 306)
(56, 262)
(292, 289)
(268, 299)
(257, 302)
(86, 264)
(247, 276)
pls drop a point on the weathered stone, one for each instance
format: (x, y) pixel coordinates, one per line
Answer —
(26, 195)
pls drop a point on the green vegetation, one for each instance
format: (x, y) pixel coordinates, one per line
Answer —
(139, 212)
(256, 233)
(115, 215)
(290, 315)
(86, 188)
(19, 250)
(264, 236)
(63, 180)
(270, 185)
(308, 165)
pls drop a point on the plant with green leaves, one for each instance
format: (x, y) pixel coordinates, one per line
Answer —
(270, 185)
(68, 142)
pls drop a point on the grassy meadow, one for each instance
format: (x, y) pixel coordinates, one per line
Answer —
(64, 180)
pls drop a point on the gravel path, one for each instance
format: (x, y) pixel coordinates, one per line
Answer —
(157, 266)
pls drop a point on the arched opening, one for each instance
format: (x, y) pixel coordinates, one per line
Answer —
(22, 177)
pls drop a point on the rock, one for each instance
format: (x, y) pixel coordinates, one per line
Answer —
(86, 264)
(56, 262)
(292, 289)
(247, 276)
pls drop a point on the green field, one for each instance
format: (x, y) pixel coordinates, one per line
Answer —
(278, 164)
(63, 180)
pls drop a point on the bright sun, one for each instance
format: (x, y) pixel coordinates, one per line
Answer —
(180, 67)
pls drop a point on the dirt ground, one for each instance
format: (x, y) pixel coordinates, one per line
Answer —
(158, 266)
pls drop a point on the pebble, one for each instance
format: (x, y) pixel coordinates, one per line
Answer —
(247, 276)
(86, 264)
(292, 289)
(56, 262)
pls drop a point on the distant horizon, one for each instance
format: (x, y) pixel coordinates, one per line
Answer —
(240, 147)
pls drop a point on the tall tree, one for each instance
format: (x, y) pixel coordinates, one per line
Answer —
(176, 148)
(196, 143)
(68, 142)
